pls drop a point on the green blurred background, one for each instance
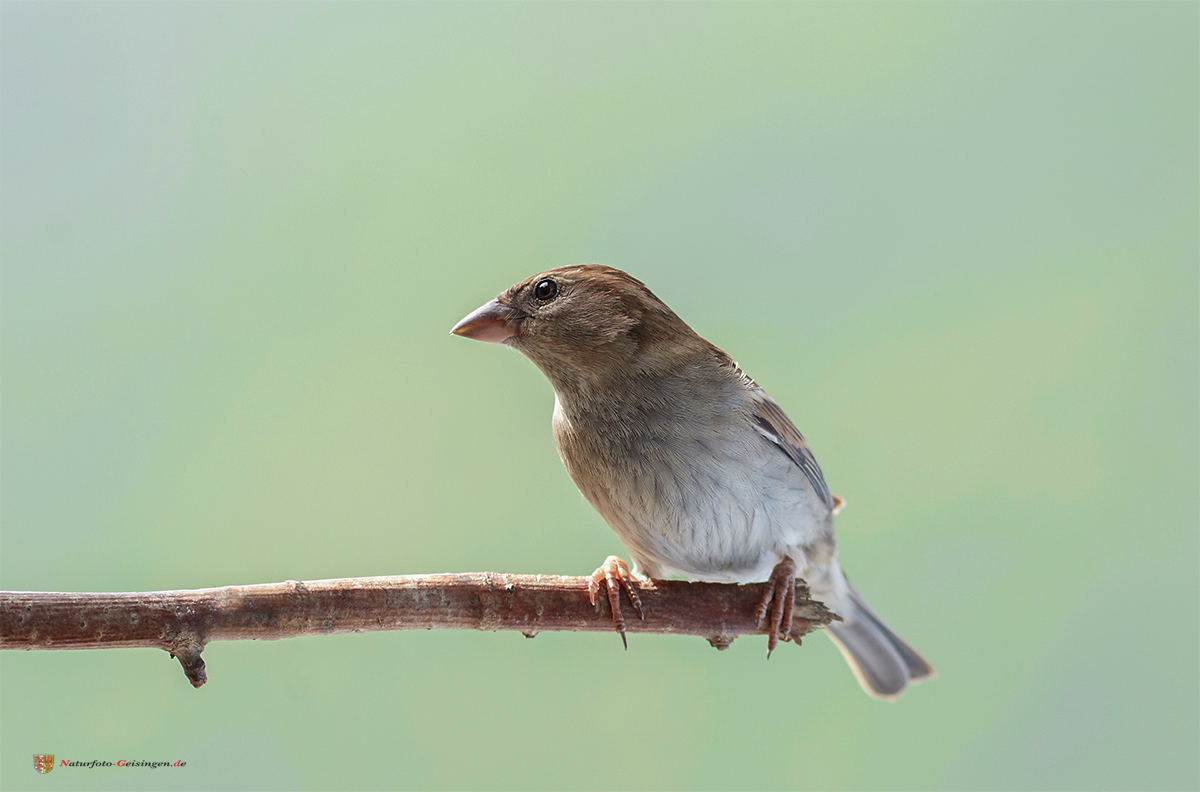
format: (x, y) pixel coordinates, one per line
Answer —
(958, 243)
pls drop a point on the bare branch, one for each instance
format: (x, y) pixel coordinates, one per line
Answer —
(183, 622)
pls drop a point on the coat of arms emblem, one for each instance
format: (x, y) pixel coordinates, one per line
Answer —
(43, 763)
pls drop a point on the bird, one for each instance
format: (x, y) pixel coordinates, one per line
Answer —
(696, 469)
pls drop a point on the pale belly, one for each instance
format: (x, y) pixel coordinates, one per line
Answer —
(715, 508)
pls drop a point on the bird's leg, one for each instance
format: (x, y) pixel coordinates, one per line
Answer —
(615, 575)
(780, 599)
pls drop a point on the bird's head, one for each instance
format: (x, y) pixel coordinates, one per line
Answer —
(584, 323)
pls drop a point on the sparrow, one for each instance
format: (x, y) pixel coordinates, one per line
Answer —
(697, 470)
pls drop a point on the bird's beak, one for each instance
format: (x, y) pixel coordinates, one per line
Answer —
(492, 321)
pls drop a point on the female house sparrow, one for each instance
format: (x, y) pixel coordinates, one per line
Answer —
(693, 465)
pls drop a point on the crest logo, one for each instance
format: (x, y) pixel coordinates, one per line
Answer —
(43, 763)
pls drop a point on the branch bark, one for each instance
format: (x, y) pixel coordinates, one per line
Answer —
(183, 622)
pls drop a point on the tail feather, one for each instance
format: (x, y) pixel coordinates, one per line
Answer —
(882, 661)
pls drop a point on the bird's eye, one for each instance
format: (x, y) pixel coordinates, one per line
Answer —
(545, 290)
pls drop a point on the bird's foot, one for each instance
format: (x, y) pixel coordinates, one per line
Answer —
(614, 574)
(779, 600)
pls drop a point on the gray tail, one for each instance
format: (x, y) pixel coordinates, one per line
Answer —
(881, 661)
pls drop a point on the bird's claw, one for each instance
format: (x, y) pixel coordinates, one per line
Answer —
(780, 601)
(615, 575)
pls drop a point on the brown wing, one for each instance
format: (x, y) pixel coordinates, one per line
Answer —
(773, 424)
(779, 429)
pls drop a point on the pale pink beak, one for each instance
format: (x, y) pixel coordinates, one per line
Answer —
(492, 321)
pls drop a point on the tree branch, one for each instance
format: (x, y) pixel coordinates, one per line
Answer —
(183, 622)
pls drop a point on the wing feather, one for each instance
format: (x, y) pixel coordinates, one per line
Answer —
(773, 424)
